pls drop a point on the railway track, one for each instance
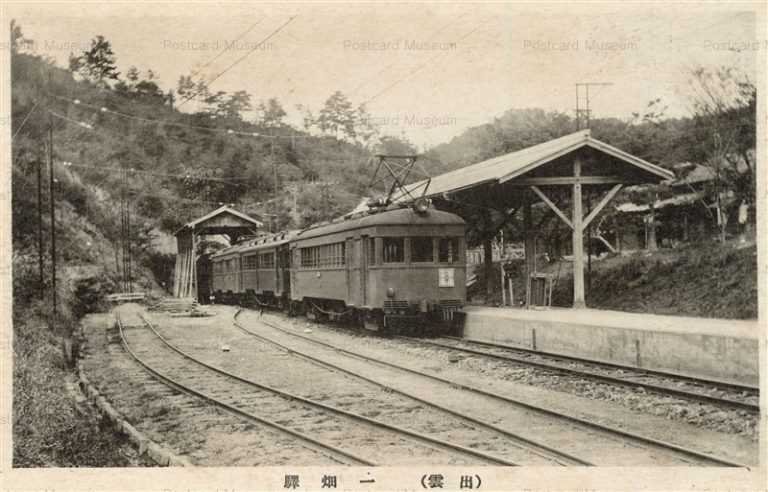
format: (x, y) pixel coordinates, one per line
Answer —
(718, 393)
(349, 427)
(177, 376)
(186, 424)
(683, 453)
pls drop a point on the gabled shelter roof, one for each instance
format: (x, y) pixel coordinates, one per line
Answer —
(510, 166)
(239, 219)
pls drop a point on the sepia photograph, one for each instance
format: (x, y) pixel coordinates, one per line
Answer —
(383, 246)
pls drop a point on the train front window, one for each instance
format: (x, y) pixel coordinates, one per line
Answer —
(421, 250)
(394, 250)
(448, 250)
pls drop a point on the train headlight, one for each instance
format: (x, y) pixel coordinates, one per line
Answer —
(390, 292)
(421, 205)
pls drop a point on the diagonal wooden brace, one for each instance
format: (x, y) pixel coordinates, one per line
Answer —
(607, 198)
(551, 205)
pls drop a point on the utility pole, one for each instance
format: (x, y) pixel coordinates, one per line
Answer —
(52, 197)
(274, 170)
(40, 253)
(128, 234)
(584, 112)
(122, 235)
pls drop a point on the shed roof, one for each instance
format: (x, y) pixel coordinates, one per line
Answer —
(220, 211)
(510, 166)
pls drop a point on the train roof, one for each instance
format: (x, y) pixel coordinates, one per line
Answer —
(270, 240)
(400, 216)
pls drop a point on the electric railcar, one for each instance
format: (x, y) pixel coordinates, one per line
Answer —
(253, 272)
(399, 270)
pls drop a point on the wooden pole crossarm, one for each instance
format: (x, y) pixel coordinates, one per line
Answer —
(551, 205)
(607, 198)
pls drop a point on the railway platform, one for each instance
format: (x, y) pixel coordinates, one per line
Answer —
(725, 350)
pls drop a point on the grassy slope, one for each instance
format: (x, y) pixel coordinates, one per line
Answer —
(710, 281)
(705, 280)
(50, 428)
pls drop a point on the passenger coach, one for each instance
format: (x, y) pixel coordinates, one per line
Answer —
(399, 269)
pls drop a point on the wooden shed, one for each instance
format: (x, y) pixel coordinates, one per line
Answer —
(225, 221)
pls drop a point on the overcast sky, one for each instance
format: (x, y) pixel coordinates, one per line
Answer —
(427, 70)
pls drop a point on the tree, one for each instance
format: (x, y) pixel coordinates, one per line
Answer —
(272, 113)
(365, 128)
(307, 117)
(395, 146)
(96, 64)
(132, 75)
(17, 37)
(235, 105)
(185, 87)
(724, 136)
(338, 117)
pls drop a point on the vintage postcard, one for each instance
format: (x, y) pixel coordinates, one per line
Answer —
(418, 246)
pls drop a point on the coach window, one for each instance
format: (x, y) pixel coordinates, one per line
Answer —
(421, 250)
(249, 262)
(267, 260)
(393, 250)
(448, 250)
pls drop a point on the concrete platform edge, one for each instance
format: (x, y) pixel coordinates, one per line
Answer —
(720, 357)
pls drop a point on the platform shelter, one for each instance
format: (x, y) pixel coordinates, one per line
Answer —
(558, 173)
(224, 221)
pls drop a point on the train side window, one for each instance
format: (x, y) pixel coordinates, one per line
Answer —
(249, 262)
(421, 250)
(267, 260)
(448, 250)
(394, 250)
(306, 257)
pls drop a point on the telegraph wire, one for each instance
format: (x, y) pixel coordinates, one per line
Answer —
(228, 131)
(420, 67)
(246, 55)
(432, 36)
(197, 71)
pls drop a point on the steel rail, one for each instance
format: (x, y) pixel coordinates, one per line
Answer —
(559, 455)
(651, 372)
(311, 443)
(604, 428)
(598, 377)
(433, 442)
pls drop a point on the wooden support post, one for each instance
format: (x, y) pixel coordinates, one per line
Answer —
(190, 261)
(488, 263)
(183, 279)
(578, 241)
(529, 246)
(193, 288)
(176, 271)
